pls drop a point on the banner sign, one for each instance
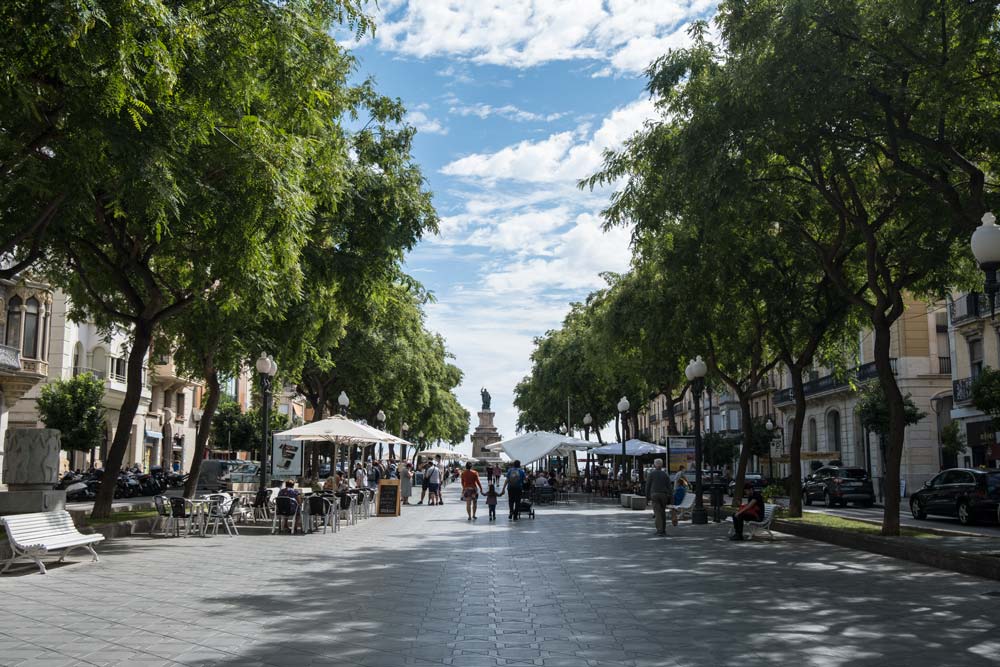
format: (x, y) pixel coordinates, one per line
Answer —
(286, 457)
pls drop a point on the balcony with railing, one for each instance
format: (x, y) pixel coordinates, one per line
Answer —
(831, 382)
(80, 370)
(961, 390)
(944, 365)
(969, 307)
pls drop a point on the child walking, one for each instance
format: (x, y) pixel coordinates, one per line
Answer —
(491, 501)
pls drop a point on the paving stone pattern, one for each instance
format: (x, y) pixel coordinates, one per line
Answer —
(579, 586)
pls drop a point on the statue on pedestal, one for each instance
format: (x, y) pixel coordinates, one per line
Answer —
(486, 398)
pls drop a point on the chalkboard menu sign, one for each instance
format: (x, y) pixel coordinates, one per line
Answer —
(388, 497)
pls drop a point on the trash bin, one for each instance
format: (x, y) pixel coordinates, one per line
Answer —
(717, 491)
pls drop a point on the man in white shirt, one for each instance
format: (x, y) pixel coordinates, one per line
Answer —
(360, 476)
(441, 476)
(433, 475)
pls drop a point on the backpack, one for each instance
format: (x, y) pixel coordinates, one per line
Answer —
(514, 478)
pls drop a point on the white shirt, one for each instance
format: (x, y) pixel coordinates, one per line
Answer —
(361, 478)
(433, 475)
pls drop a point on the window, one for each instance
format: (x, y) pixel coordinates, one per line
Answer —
(976, 357)
(833, 431)
(813, 441)
(77, 358)
(13, 337)
(100, 362)
(180, 405)
(30, 348)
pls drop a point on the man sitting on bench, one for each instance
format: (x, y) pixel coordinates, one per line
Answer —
(751, 510)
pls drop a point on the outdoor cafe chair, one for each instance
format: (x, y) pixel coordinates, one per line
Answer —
(285, 507)
(184, 511)
(162, 515)
(320, 509)
(226, 515)
(260, 509)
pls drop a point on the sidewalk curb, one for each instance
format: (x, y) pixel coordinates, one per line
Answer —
(976, 565)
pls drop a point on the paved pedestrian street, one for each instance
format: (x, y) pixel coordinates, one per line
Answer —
(580, 585)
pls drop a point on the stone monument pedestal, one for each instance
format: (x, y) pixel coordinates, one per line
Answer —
(485, 434)
(30, 470)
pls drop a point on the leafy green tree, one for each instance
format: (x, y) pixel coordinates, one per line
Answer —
(986, 393)
(186, 148)
(873, 410)
(718, 450)
(74, 406)
(233, 429)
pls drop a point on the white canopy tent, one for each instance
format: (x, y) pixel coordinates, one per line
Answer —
(632, 448)
(536, 445)
(447, 454)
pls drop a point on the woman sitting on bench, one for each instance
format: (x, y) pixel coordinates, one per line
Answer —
(751, 510)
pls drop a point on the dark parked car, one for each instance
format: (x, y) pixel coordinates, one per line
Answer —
(837, 485)
(969, 494)
(751, 480)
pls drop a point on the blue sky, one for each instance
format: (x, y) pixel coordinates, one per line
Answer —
(513, 103)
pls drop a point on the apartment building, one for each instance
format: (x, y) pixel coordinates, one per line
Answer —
(921, 358)
(166, 404)
(974, 337)
(24, 334)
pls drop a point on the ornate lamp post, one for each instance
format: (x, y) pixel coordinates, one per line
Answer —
(266, 367)
(403, 428)
(695, 372)
(986, 248)
(623, 406)
(380, 418)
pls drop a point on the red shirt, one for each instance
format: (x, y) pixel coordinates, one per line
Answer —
(470, 479)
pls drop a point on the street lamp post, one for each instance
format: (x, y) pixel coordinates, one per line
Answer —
(404, 427)
(380, 418)
(986, 248)
(695, 372)
(266, 367)
(343, 402)
(623, 406)
(587, 421)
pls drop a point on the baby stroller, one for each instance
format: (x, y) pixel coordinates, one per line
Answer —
(525, 506)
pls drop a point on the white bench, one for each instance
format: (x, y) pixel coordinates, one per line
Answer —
(626, 499)
(763, 524)
(35, 535)
(687, 502)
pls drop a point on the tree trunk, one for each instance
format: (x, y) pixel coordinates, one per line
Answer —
(204, 428)
(319, 413)
(618, 430)
(897, 426)
(133, 393)
(746, 423)
(597, 432)
(795, 451)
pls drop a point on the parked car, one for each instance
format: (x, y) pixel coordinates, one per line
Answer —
(839, 485)
(751, 479)
(969, 494)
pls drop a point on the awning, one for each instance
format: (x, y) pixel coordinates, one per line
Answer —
(539, 444)
(632, 448)
(154, 435)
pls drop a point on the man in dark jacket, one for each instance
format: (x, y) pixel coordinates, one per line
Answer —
(658, 492)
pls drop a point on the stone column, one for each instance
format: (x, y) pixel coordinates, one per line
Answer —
(30, 470)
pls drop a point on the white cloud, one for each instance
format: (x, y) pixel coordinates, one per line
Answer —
(524, 33)
(508, 111)
(425, 123)
(560, 157)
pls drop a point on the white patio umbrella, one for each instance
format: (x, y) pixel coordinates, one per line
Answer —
(341, 430)
(442, 452)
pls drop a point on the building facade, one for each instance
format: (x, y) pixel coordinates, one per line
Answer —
(832, 430)
(166, 403)
(975, 342)
(24, 334)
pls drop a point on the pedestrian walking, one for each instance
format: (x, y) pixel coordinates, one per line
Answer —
(491, 501)
(433, 475)
(514, 485)
(424, 483)
(405, 482)
(658, 492)
(471, 488)
(441, 475)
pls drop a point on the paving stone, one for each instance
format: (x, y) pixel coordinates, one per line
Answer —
(580, 586)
